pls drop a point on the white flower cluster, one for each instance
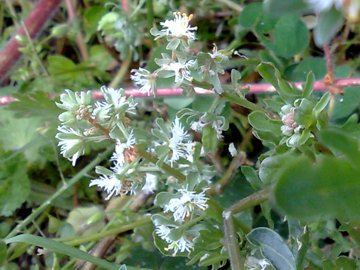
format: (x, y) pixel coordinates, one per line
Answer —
(181, 208)
(289, 126)
(180, 144)
(253, 263)
(179, 33)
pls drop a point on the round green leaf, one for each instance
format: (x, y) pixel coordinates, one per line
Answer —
(273, 248)
(290, 37)
(329, 188)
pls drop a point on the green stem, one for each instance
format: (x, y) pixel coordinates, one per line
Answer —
(119, 229)
(59, 192)
(178, 175)
(122, 71)
(231, 240)
(242, 101)
(150, 13)
(250, 201)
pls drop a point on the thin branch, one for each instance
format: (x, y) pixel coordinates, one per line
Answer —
(231, 240)
(79, 36)
(253, 89)
(36, 20)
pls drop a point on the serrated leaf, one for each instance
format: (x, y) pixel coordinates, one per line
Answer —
(14, 183)
(273, 248)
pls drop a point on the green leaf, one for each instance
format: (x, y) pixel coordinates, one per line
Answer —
(321, 105)
(260, 121)
(281, 7)
(298, 72)
(291, 37)
(209, 139)
(329, 188)
(347, 103)
(250, 15)
(329, 23)
(308, 85)
(251, 176)
(273, 248)
(271, 165)
(270, 74)
(61, 248)
(340, 143)
(178, 102)
(14, 182)
(3, 251)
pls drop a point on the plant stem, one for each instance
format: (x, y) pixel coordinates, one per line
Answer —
(121, 72)
(178, 175)
(149, 13)
(115, 231)
(79, 36)
(59, 192)
(231, 5)
(231, 241)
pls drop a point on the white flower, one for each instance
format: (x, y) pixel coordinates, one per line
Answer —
(150, 183)
(178, 27)
(183, 206)
(118, 156)
(183, 244)
(110, 184)
(197, 125)
(163, 231)
(218, 56)
(116, 99)
(219, 126)
(253, 263)
(71, 143)
(324, 5)
(232, 150)
(289, 126)
(180, 143)
(144, 79)
(180, 68)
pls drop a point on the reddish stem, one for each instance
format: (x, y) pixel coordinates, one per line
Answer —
(37, 18)
(254, 89)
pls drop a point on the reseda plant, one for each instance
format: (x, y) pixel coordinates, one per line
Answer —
(190, 221)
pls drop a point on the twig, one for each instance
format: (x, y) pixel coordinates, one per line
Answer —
(231, 5)
(79, 36)
(37, 18)
(253, 89)
(231, 241)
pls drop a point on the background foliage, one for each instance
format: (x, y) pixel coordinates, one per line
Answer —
(303, 187)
